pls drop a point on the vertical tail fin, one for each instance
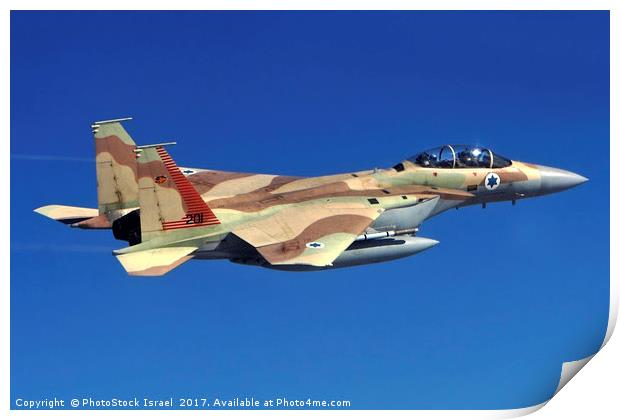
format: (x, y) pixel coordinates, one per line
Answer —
(117, 177)
(168, 201)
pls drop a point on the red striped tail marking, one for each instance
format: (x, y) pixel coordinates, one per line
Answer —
(198, 213)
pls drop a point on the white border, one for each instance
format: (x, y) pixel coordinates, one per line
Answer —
(597, 387)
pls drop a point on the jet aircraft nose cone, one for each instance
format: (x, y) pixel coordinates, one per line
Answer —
(553, 179)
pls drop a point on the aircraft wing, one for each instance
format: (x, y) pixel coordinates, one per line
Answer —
(309, 234)
(316, 232)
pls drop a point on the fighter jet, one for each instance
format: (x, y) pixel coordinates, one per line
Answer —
(170, 214)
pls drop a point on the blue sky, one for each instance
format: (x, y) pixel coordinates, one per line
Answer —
(484, 320)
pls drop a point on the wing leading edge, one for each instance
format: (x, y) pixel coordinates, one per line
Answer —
(316, 232)
(307, 235)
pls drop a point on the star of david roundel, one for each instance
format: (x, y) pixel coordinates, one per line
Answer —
(492, 181)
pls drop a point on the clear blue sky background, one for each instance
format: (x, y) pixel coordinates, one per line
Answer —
(483, 320)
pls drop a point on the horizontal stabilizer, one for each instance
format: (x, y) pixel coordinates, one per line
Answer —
(68, 215)
(155, 262)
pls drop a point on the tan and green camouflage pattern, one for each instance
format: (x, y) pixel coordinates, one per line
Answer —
(156, 261)
(281, 226)
(289, 220)
(459, 178)
(67, 214)
(282, 216)
(117, 188)
(286, 223)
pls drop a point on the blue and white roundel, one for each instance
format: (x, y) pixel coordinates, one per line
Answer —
(492, 181)
(315, 245)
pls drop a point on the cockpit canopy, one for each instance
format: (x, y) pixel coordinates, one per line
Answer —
(460, 156)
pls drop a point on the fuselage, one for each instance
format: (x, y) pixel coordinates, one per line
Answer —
(236, 197)
(232, 195)
(243, 209)
(169, 214)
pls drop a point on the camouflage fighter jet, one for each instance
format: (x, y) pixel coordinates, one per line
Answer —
(169, 214)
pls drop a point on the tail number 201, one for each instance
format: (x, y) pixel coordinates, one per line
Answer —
(194, 218)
